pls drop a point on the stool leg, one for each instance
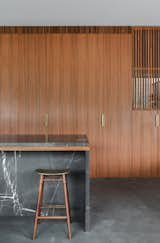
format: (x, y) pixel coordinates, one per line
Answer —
(67, 206)
(41, 199)
(38, 205)
(68, 202)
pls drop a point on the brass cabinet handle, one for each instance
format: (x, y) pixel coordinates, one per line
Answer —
(102, 120)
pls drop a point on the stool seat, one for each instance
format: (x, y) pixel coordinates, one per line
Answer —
(52, 172)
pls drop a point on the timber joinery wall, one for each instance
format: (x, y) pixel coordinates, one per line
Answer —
(70, 76)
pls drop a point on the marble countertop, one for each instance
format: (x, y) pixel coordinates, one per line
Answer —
(42, 140)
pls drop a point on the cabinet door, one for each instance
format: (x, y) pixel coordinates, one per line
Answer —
(75, 76)
(156, 165)
(117, 105)
(22, 81)
(145, 144)
(62, 76)
(8, 84)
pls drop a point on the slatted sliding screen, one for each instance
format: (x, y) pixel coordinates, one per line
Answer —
(146, 68)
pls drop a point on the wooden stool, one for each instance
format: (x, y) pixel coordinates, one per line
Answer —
(52, 175)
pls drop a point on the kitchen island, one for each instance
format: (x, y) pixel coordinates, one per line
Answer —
(22, 154)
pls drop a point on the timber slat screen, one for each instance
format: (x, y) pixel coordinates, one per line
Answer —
(146, 68)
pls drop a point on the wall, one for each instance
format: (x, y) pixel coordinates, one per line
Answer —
(82, 12)
(74, 78)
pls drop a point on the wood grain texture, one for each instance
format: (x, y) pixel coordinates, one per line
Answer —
(117, 106)
(22, 69)
(145, 144)
(145, 135)
(64, 29)
(74, 77)
(74, 69)
(44, 148)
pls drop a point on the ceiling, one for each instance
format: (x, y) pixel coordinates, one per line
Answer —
(79, 12)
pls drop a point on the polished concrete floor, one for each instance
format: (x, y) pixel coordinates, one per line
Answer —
(123, 211)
